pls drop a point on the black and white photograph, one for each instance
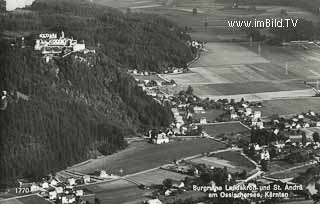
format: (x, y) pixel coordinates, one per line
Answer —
(159, 101)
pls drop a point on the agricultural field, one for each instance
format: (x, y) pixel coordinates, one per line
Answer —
(236, 70)
(156, 177)
(142, 156)
(233, 160)
(210, 115)
(224, 128)
(119, 191)
(290, 106)
(32, 199)
(133, 4)
(290, 174)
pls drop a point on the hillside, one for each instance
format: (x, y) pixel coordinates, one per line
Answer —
(60, 113)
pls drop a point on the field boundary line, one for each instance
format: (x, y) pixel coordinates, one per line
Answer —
(245, 125)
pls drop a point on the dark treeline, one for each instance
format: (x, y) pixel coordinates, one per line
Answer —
(303, 30)
(312, 5)
(74, 109)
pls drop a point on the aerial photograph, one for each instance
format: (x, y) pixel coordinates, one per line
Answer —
(159, 101)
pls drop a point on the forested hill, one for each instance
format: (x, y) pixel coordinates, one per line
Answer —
(60, 113)
(136, 40)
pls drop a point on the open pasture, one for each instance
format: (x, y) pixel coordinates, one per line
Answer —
(233, 160)
(290, 106)
(156, 177)
(215, 129)
(142, 156)
(119, 191)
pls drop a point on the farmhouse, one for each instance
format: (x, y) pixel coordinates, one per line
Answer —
(161, 138)
(265, 155)
(154, 201)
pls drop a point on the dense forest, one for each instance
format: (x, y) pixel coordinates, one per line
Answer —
(65, 111)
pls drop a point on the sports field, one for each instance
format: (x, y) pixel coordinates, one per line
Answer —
(142, 156)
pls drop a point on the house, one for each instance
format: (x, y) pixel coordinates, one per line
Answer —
(154, 201)
(233, 115)
(45, 185)
(67, 199)
(161, 138)
(257, 114)
(34, 188)
(72, 181)
(248, 111)
(53, 195)
(59, 189)
(103, 174)
(53, 182)
(257, 123)
(198, 109)
(203, 120)
(86, 179)
(178, 184)
(265, 155)
(167, 192)
(79, 192)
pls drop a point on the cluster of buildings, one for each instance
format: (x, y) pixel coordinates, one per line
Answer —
(50, 44)
(61, 192)
(159, 137)
(196, 44)
(173, 70)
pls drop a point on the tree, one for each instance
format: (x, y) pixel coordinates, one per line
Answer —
(304, 139)
(194, 11)
(316, 137)
(189, 90)
(264, 165)
(167, 183)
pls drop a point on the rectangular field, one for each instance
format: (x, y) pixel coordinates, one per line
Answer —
(119, 191)
(210, 115)
(224, 128)
(142, 156)
(220, 54)
(290, 106)
(233, 161)
(247, 88)
(156, 177)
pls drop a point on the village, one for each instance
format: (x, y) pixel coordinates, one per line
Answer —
(228, 139)
(256, 140)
